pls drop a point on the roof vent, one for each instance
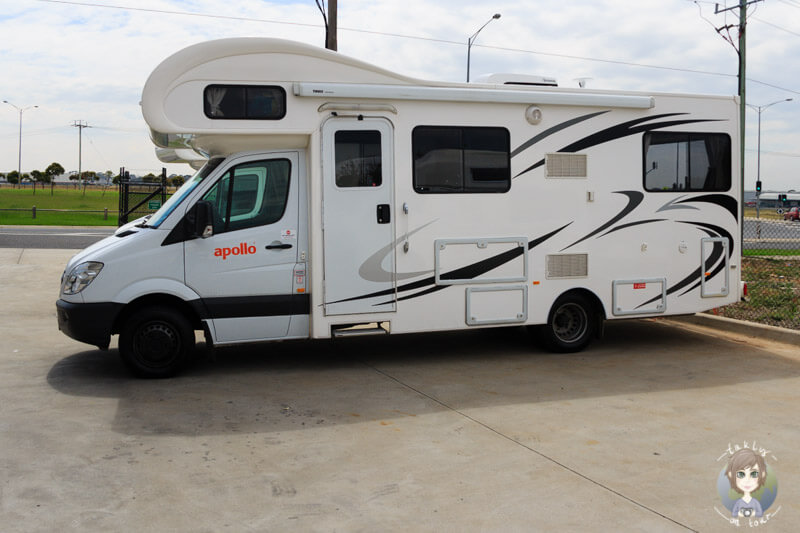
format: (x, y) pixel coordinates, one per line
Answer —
(517, 79)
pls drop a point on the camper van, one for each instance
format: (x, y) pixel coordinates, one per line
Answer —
(334, 198)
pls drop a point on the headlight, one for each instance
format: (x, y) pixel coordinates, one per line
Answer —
(80, 277)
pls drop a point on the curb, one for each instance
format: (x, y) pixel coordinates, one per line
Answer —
(752, 329)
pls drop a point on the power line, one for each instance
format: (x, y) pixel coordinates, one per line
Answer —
(431, 39)
(776, 26)
(91, 141)
(170, 12)
(791, 3)
(33, 133)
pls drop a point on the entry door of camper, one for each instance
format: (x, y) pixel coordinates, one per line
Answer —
(358, 217)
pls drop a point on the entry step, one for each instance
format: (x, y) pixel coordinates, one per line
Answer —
(359, 330)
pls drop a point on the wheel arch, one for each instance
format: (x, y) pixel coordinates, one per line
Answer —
(596, 303)
(158, 300)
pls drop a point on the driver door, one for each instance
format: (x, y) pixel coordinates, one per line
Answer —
(243, 272)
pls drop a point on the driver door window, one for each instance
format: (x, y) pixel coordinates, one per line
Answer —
(249, 195)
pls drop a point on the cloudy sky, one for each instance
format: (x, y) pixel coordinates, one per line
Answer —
(88, 60)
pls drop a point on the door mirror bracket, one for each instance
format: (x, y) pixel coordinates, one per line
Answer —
(199, 220)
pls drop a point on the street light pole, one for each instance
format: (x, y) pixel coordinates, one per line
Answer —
(19, 160)
(760, 109)
(474, 36)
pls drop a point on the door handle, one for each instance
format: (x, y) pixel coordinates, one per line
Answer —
(275, 245)
(383, 213)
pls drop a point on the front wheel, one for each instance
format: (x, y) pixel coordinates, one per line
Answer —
(156, 342)
(571, 324)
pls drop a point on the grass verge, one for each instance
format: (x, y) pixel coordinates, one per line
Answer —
(774, 292)
(766, 252)
(74, 200)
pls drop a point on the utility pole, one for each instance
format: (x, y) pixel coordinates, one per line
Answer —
(329, 18)
(80, 124)
(331, 41)
(742, 51)
(742, 88)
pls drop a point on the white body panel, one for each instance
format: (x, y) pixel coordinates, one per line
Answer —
(443, 261)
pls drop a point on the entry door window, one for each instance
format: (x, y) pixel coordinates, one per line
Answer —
(358, 158)
(249, 195)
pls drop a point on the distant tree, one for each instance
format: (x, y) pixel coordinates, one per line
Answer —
(73, 176)
(39, 176)
(53, 170)
(115, 180)
(12, 177)
(88, 175)
(176, 181)
(150, 177)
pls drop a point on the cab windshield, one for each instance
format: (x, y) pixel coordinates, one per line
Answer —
(174, 201)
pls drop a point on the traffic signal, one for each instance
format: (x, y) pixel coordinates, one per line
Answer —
(758, 186)
(782, 198)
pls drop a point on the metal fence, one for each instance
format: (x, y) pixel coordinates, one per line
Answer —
(771, 268)
(137, 198)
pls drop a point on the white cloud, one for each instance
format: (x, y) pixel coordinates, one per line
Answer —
(90, 63)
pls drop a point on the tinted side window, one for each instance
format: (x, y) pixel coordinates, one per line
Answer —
(461, 159)
(249, 195)
(358, 158)
(687, 161)
(254, 102)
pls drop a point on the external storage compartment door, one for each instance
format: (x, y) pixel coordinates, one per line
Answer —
(358, 217)
(639, 296)
(715, 256)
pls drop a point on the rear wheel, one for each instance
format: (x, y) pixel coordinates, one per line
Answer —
(571, 324)
(156, 342)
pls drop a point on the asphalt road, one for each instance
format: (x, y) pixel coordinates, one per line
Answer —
(52, 237)
(773, 234)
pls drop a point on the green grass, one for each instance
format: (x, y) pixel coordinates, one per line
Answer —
(48, 218)
(766, 252)
(71, 199)
(774, 288)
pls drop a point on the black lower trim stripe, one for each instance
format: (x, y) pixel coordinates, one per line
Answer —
(252, 306)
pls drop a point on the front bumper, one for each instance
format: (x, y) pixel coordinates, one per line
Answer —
(89, 323)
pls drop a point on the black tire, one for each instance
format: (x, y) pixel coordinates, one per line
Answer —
(571, 324)
(156, 342)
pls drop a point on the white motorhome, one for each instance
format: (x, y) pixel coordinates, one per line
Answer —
(334, 197)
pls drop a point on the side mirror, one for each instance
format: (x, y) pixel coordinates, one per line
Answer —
(199, 220)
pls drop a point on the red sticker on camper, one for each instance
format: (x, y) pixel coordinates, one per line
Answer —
(640, 285)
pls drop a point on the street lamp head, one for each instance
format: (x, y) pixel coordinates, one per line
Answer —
(496, 16)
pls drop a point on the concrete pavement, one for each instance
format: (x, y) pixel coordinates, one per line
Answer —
(468, 431)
